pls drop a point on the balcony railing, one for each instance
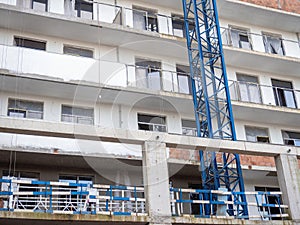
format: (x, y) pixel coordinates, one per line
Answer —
(71, 198)
(262, 43)
(82, 198)
(70, 68)
(189, 131)
(152, 127)
(23, 113)
(264, 94)
(77, 119)
(261, 205)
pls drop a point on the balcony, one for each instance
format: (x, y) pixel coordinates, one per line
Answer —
(81, 77)
(244, 12)
(68, 68)
(262, 52)
(271, 103)
(126, 25)
(263, 94)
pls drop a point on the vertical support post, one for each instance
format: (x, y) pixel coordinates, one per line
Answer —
(156, 182)
(289, 181)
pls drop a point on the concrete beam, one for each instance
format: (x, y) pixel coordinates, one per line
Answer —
(34, 218)
(156, 182)
(289, 181)
(77, 131)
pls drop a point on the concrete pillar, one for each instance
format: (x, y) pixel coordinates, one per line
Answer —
(156, 182)
(289, 181)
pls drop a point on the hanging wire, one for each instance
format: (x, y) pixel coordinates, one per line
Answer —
(15, 162)
(10, 163)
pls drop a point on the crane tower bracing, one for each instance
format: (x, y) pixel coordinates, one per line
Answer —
(212, 104)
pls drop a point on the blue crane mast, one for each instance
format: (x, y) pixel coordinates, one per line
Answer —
(212, 104)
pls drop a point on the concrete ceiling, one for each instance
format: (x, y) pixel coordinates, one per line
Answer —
(258, 15)
(281, 116)
(135, 98)
(246, 13)
(263, 62)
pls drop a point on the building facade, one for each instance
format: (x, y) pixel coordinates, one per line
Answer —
(97, 119)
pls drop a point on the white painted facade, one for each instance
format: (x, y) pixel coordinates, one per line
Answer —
(113, 68)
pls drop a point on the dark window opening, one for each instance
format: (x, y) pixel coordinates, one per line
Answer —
(284, 93)
(25, 109)
(195, 208)
(269, 199)
(83, 9)
(274, 45)
(291, 138)
(189, 127)
(256, 134)
(77, 115)
(76, 179)
(70, 50)
(240, 38)
(178, 26)
(145, 19)
(29, 43)
(152, 123)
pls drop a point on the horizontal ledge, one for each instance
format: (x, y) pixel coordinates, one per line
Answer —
(138, 137)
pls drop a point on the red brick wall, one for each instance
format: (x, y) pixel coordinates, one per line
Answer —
(246, 160)
(249, 161)
(286, 5)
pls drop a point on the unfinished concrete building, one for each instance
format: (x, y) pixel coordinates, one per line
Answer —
(97, 118)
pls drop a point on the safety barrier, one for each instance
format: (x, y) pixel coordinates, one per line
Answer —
(224, 204)
(86, 198)
(71, 198)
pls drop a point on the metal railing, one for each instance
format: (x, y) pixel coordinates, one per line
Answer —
(71, 198)
(77, 119)
(261, 205)
(263, 94)
(174, 25)
(23, 113)
(152, 127)
(189, 131)
(260, 42)
(82, 198)
(112, 72)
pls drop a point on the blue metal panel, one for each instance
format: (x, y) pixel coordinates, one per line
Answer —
(121, 213)
(211, 97)
(118, 198)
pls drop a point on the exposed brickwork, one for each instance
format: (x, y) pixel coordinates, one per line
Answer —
(249, 161)
(184, 154)
(286, 5)
(246, 160)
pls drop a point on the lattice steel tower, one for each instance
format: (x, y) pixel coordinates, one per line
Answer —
(212, 104)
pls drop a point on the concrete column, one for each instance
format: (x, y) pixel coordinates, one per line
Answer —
(289, 181)
(156, 181)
